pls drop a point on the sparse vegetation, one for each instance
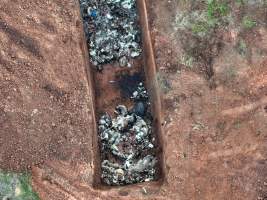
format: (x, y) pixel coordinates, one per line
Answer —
(187, 61)
(217, 9)
(198, 30)
(197, 126)
(16, 187)
(195, 22)
(164, 84)
(240, 2)
(201, 22)
(221, 125)
(252, 2)
(248, 23)
(229, 74)
(237, 124)
(242, 48)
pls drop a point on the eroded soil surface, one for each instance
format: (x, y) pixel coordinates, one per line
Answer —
(213, 80)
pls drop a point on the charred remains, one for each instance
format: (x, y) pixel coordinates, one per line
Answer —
(111, 30)
(128, 145)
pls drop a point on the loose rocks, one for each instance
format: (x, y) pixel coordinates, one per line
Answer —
(111, 30)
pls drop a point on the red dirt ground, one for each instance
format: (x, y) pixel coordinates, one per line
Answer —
(215, 137)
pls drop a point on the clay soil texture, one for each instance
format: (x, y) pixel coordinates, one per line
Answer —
(212, 70)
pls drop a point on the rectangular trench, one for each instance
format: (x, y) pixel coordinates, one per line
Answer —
(107, 94)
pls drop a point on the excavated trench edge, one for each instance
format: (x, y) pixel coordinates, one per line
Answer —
(151, 83)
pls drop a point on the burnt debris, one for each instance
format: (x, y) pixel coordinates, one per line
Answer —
(127, 143)
(111, 30)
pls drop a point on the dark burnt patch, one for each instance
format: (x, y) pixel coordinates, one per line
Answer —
(48, 26)
(6, 64)
(57, 93)
(203, 50)
(22, 40)
(127, 82)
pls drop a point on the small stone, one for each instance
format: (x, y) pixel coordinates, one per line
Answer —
(34, 111)
(135, 54)
(120, 172)
(144, 190)
(123, 61)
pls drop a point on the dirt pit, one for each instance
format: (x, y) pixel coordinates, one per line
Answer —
(128, 145)
(214, 123)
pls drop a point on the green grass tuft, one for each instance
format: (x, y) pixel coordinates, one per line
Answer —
(201, 22)
(200, 27)
(217, 9)
(242, 48)
(248, 23)
(16, 187)
(187, 61)
(164, 84)
(240, 2)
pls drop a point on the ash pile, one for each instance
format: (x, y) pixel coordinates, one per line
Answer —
(127, 145)
(111, 30)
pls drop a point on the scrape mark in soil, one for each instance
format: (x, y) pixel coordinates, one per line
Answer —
(56, 92)
(48, 26)
(27, 43)
(5, 64)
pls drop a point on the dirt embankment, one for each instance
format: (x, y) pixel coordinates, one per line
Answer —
(45, 109)
(215, 123)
